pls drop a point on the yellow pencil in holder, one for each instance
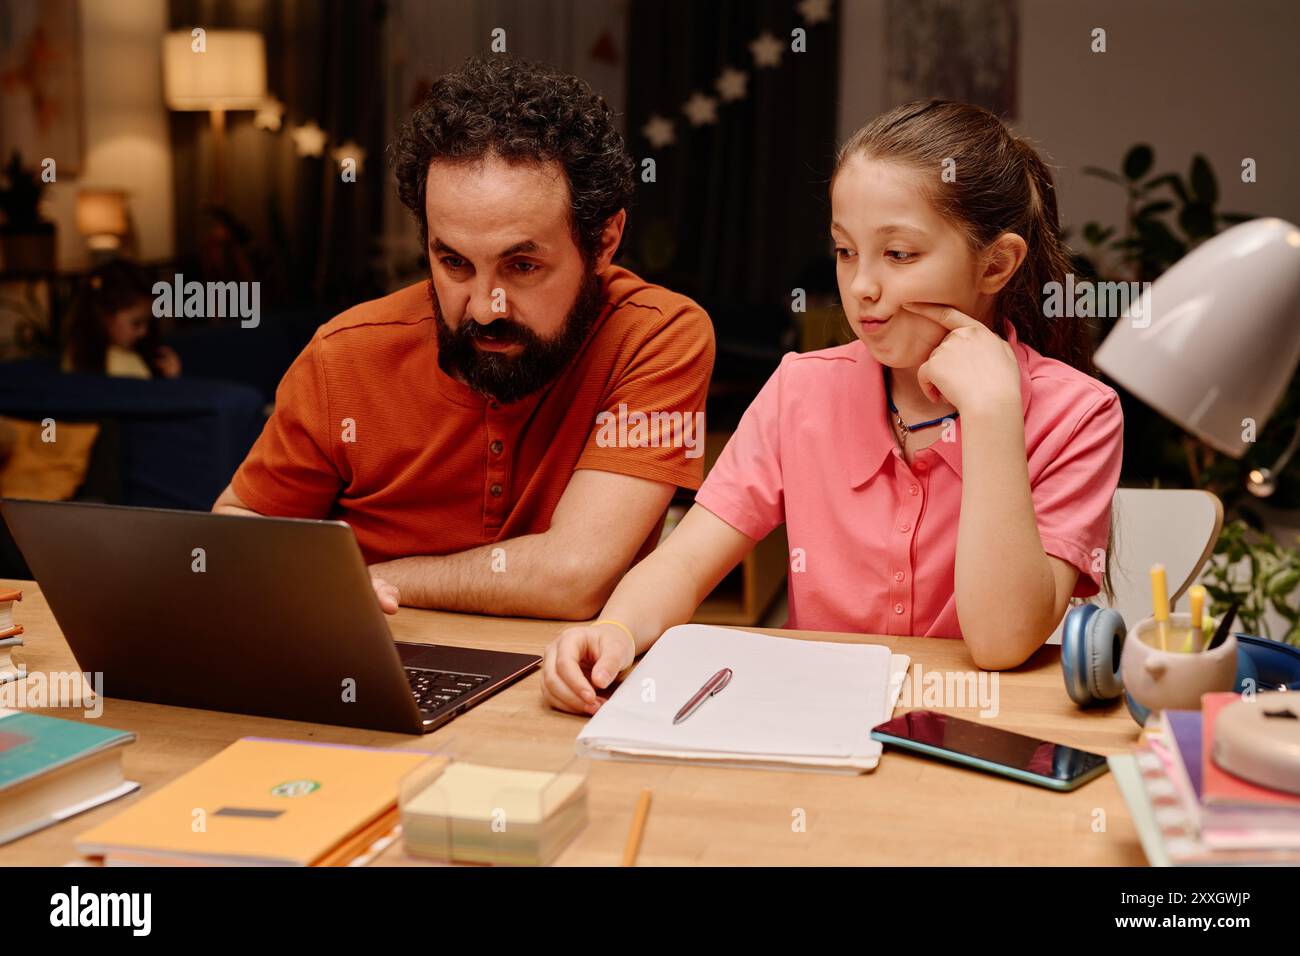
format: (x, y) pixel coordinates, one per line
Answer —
(1160, 604)
(1197, 597)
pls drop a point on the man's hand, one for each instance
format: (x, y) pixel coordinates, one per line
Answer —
(389, 596)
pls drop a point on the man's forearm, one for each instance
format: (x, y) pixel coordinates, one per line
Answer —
(229, 503)
(528, 576)
(1003, 579)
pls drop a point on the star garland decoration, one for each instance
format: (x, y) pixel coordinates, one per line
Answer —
(732, 84)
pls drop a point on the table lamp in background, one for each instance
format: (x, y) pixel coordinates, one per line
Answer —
(102, 221)
(229, 74)
(1214, 342)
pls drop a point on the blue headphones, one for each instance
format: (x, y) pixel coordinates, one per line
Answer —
(1091, 644)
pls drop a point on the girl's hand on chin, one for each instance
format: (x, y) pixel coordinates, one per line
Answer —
(973, 368)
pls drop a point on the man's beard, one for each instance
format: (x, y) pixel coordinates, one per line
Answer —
(539, 363)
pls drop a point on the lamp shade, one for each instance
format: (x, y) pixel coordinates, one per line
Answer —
(1213, 343)
(101, 212)
(228, 74)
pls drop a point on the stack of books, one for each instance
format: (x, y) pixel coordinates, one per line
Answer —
(475, 813)
(52, 769)
(1189, 811)
(9, 639)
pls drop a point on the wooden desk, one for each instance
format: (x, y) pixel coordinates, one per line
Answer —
(910, 811)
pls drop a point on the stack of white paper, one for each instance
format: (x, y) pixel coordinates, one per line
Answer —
(791, 704)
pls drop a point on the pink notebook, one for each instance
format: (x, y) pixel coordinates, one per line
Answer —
(1222, 789)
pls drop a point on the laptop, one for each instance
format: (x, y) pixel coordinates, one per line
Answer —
(268, 616)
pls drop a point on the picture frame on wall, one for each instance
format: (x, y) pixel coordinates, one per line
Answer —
(41, 98)
(963, 50)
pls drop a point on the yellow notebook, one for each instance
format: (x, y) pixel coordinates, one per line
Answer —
(263, 802)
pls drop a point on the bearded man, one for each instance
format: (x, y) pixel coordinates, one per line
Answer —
(460, 425)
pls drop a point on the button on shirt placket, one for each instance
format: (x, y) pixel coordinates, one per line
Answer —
(497, 472)
(911, 496)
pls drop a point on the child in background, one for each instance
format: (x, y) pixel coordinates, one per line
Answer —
(947, 474)
(111, 329)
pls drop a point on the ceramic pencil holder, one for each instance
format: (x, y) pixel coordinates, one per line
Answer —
(1166, 675)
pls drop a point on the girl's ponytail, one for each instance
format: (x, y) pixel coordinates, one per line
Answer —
(1047, 261)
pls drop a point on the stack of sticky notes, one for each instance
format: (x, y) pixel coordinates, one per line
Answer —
(475, 813)
(1189, 810)
(264, 803)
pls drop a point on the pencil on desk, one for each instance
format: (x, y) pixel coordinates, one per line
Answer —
(638, 827)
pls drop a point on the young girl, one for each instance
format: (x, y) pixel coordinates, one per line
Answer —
(949, 473)
(111, 329)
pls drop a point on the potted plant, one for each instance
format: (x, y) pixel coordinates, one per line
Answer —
(1250, 566)
(26, 237)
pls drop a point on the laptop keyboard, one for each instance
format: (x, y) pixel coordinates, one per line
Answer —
(435, 690)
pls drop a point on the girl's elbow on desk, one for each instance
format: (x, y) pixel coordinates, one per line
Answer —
(1003, 650)
(1005, 637)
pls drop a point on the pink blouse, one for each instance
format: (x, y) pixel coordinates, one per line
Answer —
(873, 540)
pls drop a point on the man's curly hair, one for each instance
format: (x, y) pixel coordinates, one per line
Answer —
(519, 111)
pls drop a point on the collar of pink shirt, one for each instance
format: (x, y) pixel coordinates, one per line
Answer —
(871, 456)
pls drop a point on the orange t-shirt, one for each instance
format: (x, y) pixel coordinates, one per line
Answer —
(369, 429)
